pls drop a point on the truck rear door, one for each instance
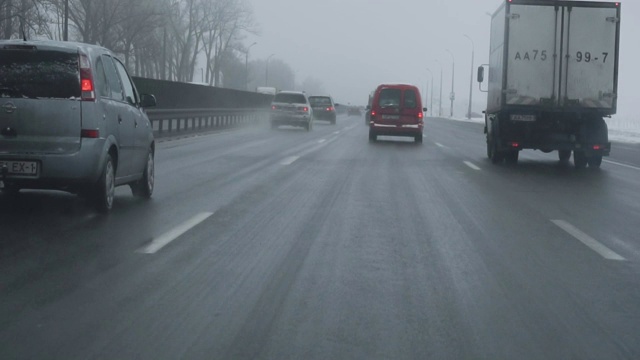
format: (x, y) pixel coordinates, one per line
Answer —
(590, 56)
(531, 70)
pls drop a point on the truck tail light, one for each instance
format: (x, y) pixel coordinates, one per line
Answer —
(514, 144)
(598, 147)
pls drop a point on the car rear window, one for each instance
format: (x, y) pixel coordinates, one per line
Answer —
(318, 100)
(290, 98)
(410, 99)
(389, 98)
(39, 74)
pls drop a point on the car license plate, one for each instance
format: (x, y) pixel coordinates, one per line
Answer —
(20, 167)
(390, 117)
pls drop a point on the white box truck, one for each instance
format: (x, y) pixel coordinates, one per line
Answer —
(553, 78)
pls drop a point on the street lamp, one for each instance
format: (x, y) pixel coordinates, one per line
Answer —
(452, 96)
(431, 92)
(266, 71)
(440, 101)
(473, 50)
(246, 67)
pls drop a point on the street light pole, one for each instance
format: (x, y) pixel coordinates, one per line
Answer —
(65, 35)
(473, 50)
(246, 67)
(440, 101)
(431, 93)
(452, 96)
(266, 71)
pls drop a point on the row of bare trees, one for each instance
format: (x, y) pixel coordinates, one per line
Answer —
(162, 39)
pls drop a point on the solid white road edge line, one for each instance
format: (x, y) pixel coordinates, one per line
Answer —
(440, 145)
(321, 141)
(592, 243)
(620, 164)
(471, 165)
(162, 241)
(289, 160)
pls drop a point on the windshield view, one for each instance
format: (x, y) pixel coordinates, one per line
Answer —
(207, 179)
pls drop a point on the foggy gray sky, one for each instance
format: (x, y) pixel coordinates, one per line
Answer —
(354, 45)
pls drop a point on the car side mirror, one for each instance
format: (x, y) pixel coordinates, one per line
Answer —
(481, 74)
(147, 100)
(424, 109)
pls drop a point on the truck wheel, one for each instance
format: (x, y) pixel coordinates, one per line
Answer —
(579, 159)
(595, 161)
(564, 155)
(105, 188)
(496, 156)
(511, 157)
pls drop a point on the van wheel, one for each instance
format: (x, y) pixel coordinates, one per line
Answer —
(564, 155)
(144, 187)
(105, 188)
(372, 136)
(418, 138)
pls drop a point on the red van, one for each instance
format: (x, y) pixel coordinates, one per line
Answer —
(396, 110)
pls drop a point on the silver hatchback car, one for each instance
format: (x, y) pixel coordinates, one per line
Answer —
(71, 119)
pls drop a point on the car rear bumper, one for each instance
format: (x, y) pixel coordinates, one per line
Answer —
(59, 170)
(396, 130)
(293, 120)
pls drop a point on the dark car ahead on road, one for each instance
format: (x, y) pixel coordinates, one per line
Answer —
(291, 108)
(323, 108)
(396, 110)
(71, 119)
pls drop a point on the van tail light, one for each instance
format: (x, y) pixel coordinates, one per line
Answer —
(86, 79)
(90, 133)
(420, 115)
(373, 113)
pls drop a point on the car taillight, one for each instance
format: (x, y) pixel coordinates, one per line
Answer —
(598, 147)
(330, 108)
(86, 79)
(273, 107)
(90, 133)
(305, 109)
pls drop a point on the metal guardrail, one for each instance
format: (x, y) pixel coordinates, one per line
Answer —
(171, 122)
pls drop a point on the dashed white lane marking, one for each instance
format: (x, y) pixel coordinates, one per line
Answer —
(440, 145)
(471, 165)
(163, 240)
(621, 164)
(321, 141)
(336, 132)
(592, 243)
(289, 160)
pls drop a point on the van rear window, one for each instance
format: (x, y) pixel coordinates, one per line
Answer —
(389, 98)
(39, 74)
(410, 100)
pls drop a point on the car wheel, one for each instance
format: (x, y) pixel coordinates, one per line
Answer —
(105, 188)
(595, 161)
(418, 138)
(564, 155)
(144, 187)
(579, 159)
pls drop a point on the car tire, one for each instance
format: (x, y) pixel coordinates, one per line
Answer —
(579, 159)
(143, 188)
(564, 155)
(372, 136)
(104, 191)
(418, 139)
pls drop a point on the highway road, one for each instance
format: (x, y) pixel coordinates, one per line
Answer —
(289, 244)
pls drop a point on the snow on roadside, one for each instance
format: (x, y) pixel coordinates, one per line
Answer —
(621, 129)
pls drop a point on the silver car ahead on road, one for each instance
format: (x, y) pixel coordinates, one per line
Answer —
(291, 108)
(71, 119)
